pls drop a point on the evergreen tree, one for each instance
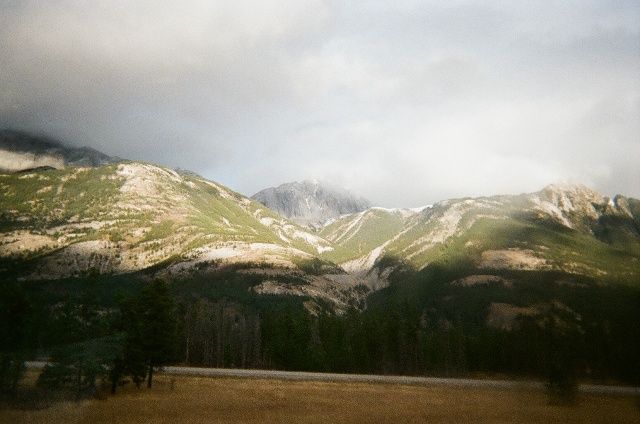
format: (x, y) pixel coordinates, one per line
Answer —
(131, 359)
(85, 351)
(562, 335)
(77, 366)
(157, 327)
(15, 313)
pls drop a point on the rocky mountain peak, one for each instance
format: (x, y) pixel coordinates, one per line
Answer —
(579, 207)
(558, 192)
(310, 202)
(570, 203)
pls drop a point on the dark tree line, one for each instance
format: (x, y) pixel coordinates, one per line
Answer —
(427, 329)
(399, 341)
(220, 334)
(403, 338)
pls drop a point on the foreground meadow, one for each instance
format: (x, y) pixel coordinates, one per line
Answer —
(230, 400)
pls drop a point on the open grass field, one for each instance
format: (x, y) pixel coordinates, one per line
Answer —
(231, 400)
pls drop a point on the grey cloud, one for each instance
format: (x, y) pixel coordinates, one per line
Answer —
(405, 103)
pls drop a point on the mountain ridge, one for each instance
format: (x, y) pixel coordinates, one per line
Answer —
(572, 213)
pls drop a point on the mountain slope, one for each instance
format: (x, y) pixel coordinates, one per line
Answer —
(358, 234)
(128, 206)
(310, 203)
(128, 217)
(564, 228)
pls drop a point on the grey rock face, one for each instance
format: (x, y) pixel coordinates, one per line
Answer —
(21, 151)
(310, 203)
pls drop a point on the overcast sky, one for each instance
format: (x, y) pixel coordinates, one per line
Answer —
(403, 102)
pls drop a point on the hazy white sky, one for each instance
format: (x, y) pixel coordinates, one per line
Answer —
(404, 102)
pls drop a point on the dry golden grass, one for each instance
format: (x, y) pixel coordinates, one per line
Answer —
(225, 400)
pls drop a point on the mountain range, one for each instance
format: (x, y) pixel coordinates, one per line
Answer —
(498, 267)
(119, 216)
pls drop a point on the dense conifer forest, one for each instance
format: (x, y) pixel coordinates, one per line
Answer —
(122, 328)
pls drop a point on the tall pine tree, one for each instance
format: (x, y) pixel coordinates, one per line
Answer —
(157, 326)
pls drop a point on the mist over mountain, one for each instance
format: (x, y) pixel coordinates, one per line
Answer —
(383, 95)
(310, 203)
(21, 151)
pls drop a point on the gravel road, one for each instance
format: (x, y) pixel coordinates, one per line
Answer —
(364, 378)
